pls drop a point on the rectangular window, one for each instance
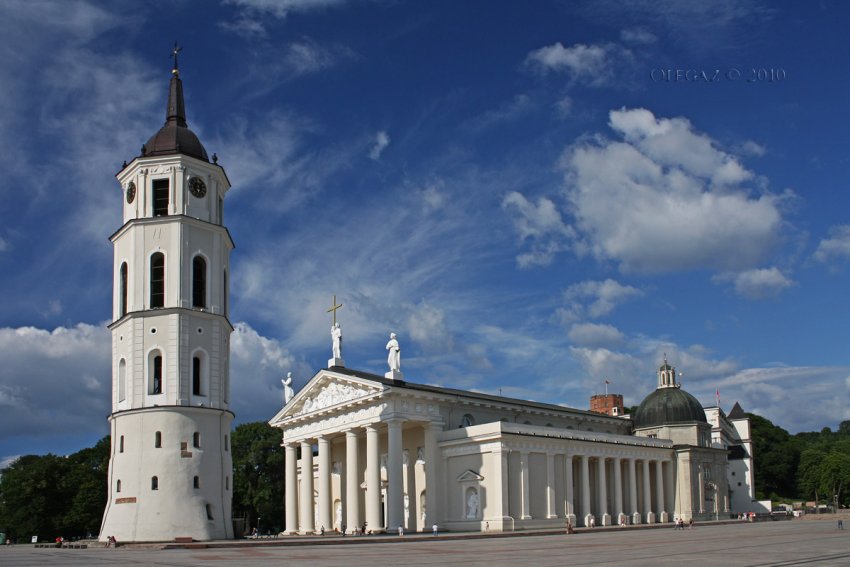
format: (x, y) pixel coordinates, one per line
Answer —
(196, 376)
(121, 445)
(157, 375)
(157, 441)
(160, 197)
(157, 280)
(196, 439)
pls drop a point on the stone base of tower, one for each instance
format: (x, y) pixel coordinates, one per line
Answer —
(170, 475)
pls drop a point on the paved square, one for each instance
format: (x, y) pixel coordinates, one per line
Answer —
(754, 545)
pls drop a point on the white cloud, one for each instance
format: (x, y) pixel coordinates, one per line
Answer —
(252, 16)
(382, 140)
(586, 63)
(53, 382)
(759, 283)
(836, 247)
(4, 244)
(541, 223)
(638, 36)
(595, 334)
(666, 199)
(751, 148)
(508, 112)
(594, 299)
(8, 461)
(564, 106)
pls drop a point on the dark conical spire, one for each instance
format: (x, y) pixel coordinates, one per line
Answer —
(175, 137)
(176, 111)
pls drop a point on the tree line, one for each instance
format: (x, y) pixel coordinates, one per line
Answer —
(50, 495)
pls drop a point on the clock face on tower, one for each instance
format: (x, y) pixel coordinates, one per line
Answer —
(131, 192)
(197, 187)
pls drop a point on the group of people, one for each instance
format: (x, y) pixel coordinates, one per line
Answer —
(680, 524)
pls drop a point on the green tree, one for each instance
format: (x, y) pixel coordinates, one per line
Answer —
(258, 475)
(87, 480)
(777, 456)
(808, 473)
(32, 501)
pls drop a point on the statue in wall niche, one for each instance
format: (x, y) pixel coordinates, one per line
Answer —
(336, 337)
(288, 392)
(394, 356)
(472, 504)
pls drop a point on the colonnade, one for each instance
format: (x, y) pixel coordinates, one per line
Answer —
(604, 508)
(299, 496)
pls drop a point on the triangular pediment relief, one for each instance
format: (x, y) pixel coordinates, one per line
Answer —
(326, 391)
(470, 475)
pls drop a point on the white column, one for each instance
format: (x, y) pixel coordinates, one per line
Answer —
(670, 493)
(585, 489)
(571, 501)
(633, 500)
(552, 511)
(659, 492)
(647, 494)
(526, 488)
(308, 525)
(701, 481)
(432, 481)
(602, 489)
(290, 486)
(395, 476)
(499, 512)
(618, 489)
(324, 487)
(373, 479)
(352, 481)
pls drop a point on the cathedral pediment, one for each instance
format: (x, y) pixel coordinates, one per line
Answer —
(326, 391)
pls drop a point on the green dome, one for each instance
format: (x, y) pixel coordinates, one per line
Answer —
(666, 406)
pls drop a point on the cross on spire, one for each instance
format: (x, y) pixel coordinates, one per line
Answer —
(333, 309)
(177, 49)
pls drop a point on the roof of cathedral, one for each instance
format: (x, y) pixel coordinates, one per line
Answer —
(175, 137)
(667, 406)
(465, 393)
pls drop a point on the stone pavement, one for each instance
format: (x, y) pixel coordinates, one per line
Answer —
(765, 544)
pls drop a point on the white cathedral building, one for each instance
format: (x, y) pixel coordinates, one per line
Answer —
(361, 449)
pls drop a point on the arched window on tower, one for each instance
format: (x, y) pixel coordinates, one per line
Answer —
(155, 373)
(154, 483)
(122, 298)
(122, 380)
(160, 197)
(157, 280)
(196, 375)
(199, 282)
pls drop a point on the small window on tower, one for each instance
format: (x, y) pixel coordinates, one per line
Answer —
(121, 444)
(209, 512)
(196, 439)
(154, 483)
(196, 482)
(157, 440)
(118, 486)
(122, 310)
(160, 197)
(199, 282)
(157, 280)
(156, 375)
(196, 375)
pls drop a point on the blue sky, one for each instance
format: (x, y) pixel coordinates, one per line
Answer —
(534, 196)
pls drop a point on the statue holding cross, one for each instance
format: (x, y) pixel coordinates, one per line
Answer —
(336, 337)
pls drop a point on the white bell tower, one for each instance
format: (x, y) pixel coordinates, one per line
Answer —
(170, 469)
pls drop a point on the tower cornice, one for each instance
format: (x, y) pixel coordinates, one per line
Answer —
(202, 313)
(169, 219)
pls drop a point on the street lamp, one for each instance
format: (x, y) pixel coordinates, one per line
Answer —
(258, 525)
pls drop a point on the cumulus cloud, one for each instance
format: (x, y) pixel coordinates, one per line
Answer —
(541, 223)
(836, 247)
(667, 198)
(757, 283)
(590, 64)
(594, 334)
(595, 299)
(382, 140)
